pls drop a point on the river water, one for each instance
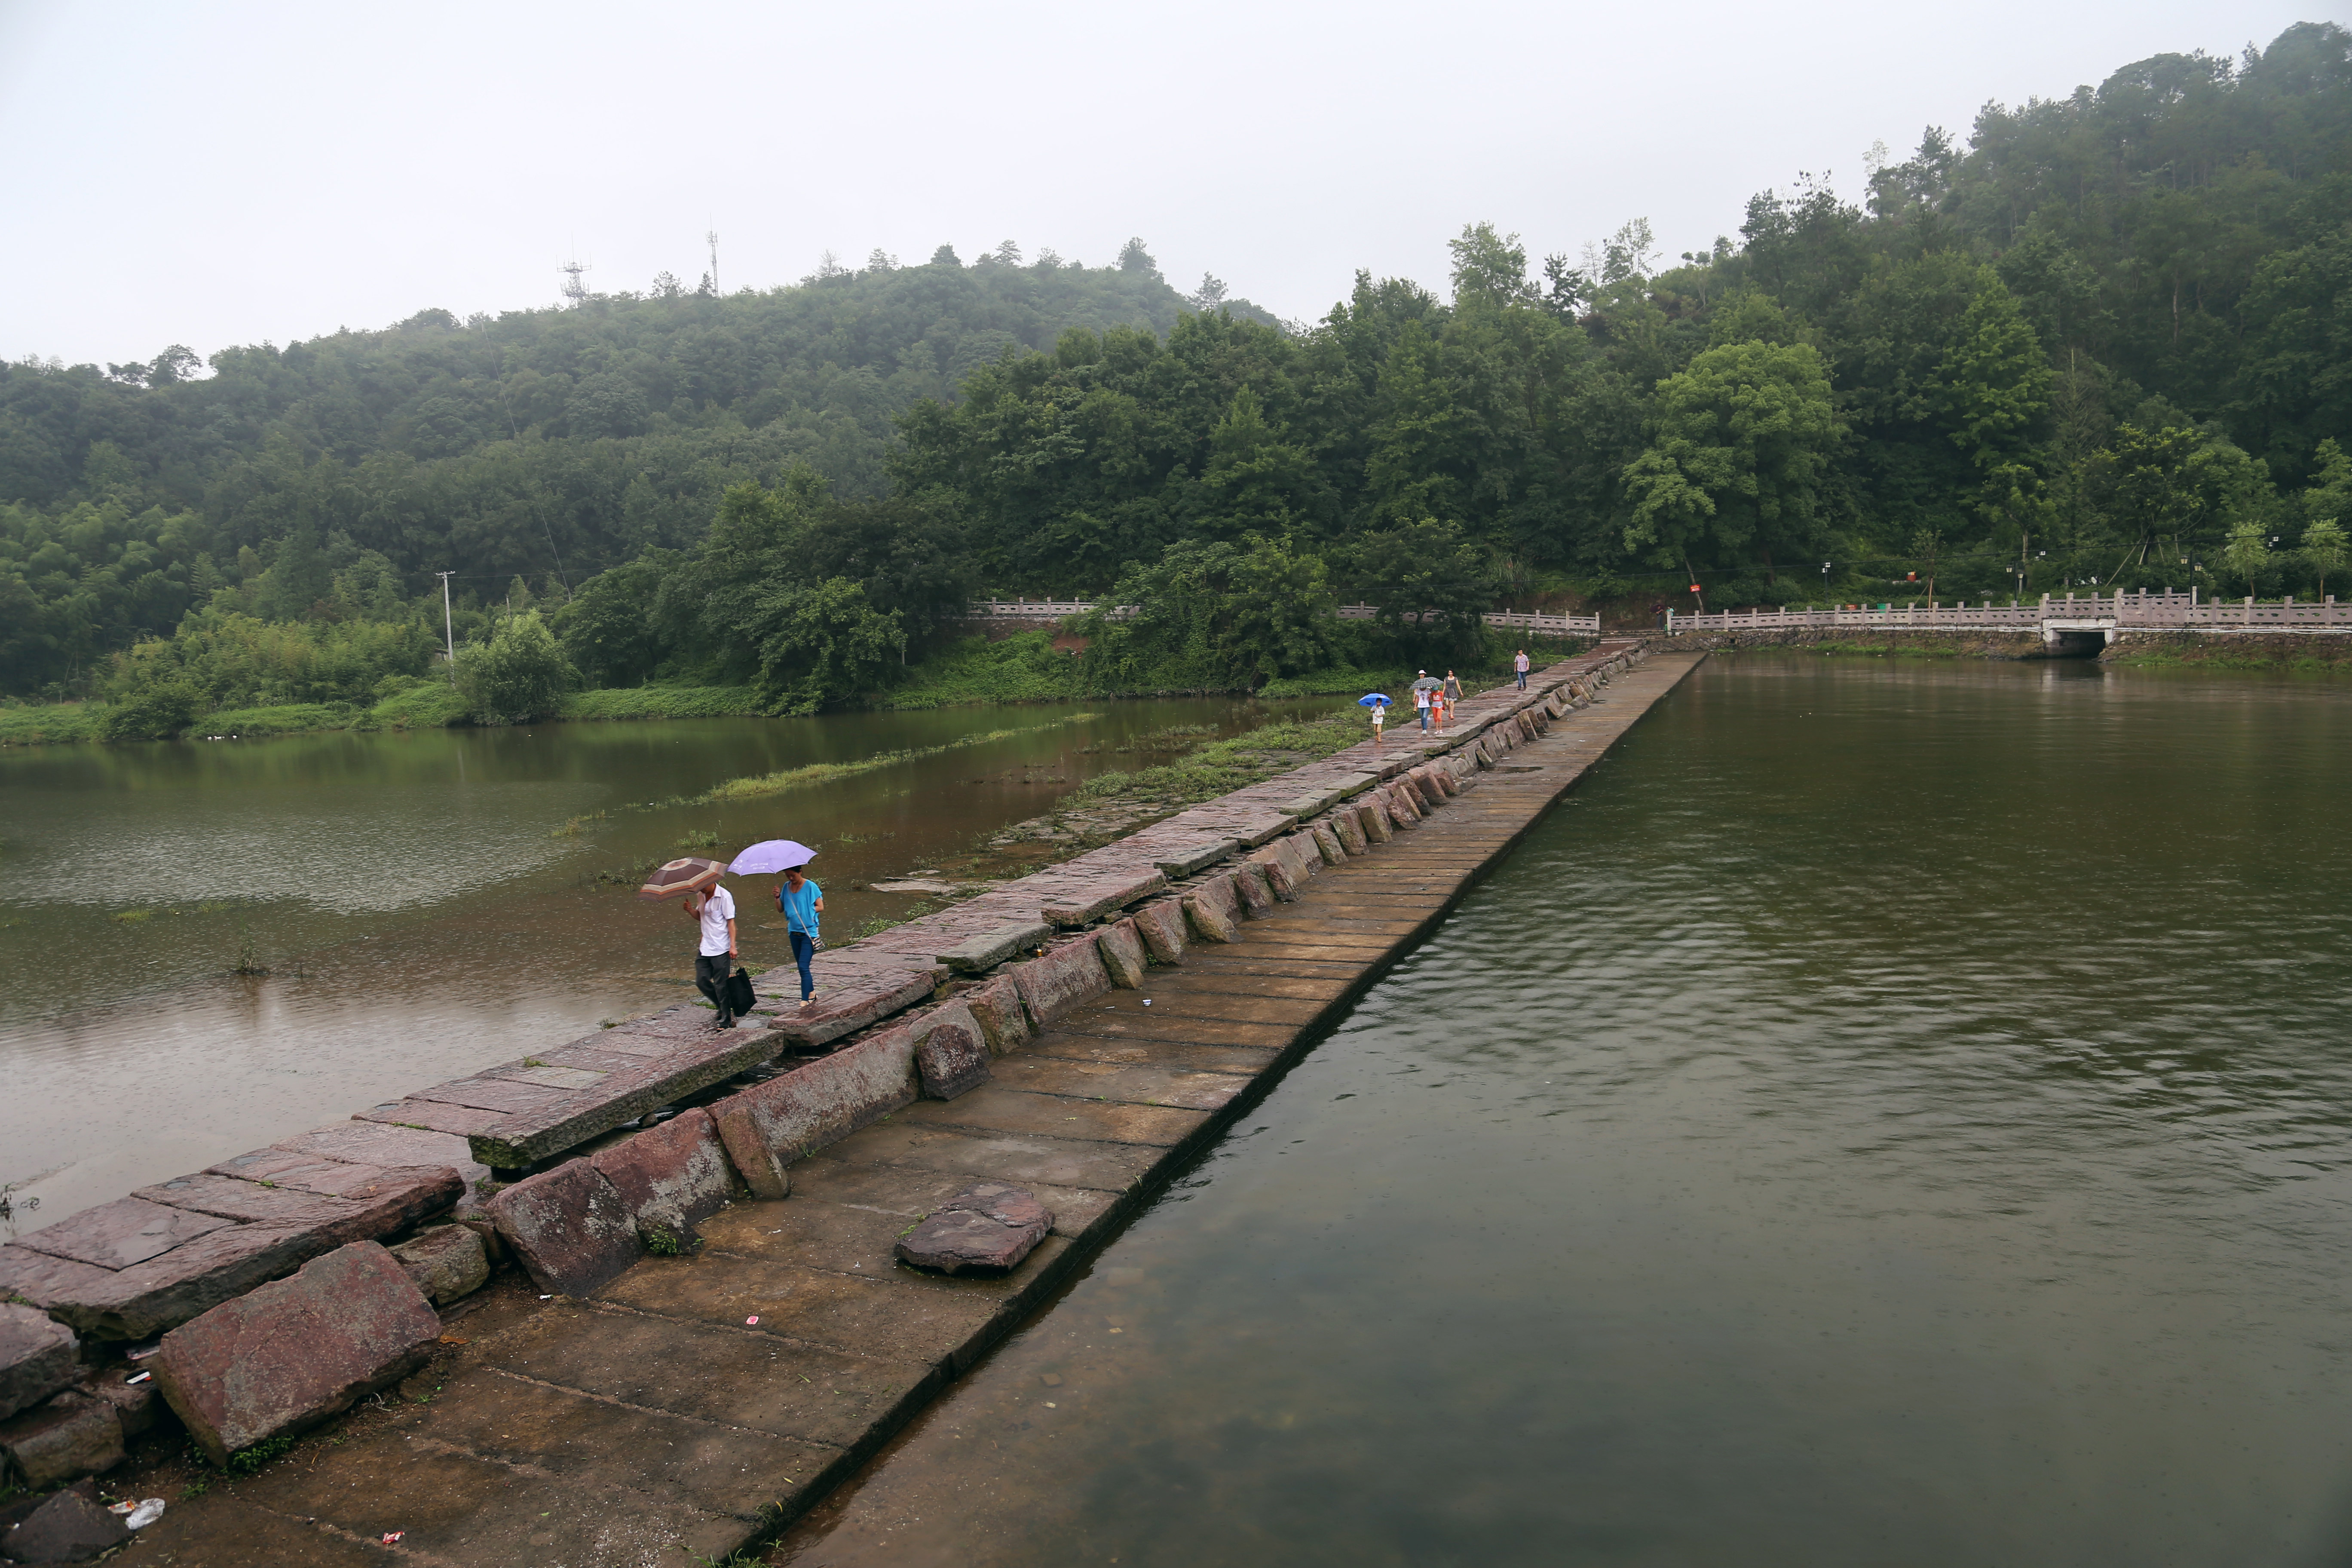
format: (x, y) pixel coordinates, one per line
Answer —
(420, 912)
(1892, 1114)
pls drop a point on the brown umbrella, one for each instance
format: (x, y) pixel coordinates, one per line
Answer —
(690, 875)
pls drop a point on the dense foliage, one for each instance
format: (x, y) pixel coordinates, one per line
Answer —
(2108, 339)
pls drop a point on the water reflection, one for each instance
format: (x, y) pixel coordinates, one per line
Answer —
(1894, 1114)
(419, 915)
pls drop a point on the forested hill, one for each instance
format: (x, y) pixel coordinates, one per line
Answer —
(2108, 336)
(493, 446)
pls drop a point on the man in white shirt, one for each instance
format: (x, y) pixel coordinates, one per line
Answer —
(715, 912)
(1519, 667)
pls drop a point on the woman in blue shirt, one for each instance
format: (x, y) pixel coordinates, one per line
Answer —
(802, 901)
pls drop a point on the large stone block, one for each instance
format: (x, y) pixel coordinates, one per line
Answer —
(1161, 924)
(136, 1405)
(1120, 947)
(37, 1357)
(285, 1357)
(1349, 825)
(857, 1002)
(987, 1228)
(117, 1234)
(1373, 818)
(1186, 857)
(1327, 845)
(1279, 869)
(671, 1177)
(569, 1226)
(769, 1125)
(1090, 899)
(1212, 919)
(68, 1527)
(950, 1051)
(976, 954)
(70, 1436)
(1257, 894)
(1003, 1022)
(447, 1262)
(1069, 974)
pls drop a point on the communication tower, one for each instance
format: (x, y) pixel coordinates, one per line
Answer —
(573, 289)
(713, 237)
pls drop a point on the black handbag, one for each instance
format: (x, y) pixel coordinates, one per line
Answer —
(739, 992)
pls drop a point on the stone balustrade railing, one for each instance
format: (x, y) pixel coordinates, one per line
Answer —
(2156, 611)
(1059, 609)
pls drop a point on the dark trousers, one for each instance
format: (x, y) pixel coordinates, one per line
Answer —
(802, 949)
(710, 971)
(1522, 680)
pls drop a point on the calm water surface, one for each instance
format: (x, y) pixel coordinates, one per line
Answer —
(1892, 1115)
(419, 914)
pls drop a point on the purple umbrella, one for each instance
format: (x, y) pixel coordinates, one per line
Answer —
(772, 857)
(776, 855)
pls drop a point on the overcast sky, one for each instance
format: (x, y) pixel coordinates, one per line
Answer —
(245, 170)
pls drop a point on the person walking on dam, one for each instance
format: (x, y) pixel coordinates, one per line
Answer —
(802, 901)
(1449, 694)
(714, 912)
(1519, 667)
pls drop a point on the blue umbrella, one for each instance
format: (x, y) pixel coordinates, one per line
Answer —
(1375, 700)
(776, 855)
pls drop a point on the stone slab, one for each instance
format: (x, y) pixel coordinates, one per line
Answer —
(66, 1527)
(950, 1051)
(1004, 1021)
(1063, 978)
(432, 1115)
(856, 1005)
(1161, 924)
(975, 955)
(712, 1057)
(570, 1230)
(1096, 897)
(286, 1356)
(447, 1262)
(1120, 948)
(769, 1125)
(1182, 858)
(671, 1177)
(987, 1228)
(117, 1234)
(68, 1436)
(38, 1357)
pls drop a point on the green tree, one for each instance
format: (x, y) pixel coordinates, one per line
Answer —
(2324, 546)
(2247, 555)
(1429, 587)
(518, 677)
(1740, 444)
(820, 644)
(1212, 613)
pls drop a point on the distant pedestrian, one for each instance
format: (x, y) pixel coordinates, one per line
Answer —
(800, 901)
(1380, 717)
(1519, 667)
(1421, 689)
(714, 961)
(1658, 613)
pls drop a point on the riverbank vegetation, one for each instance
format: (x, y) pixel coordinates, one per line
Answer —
(2101, 340)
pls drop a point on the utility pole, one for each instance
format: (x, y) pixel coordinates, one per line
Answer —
(448, 626)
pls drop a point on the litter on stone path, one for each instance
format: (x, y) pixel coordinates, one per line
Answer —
(393, 1538)
(751, 1321)
(139, 1377)
(149, 1510)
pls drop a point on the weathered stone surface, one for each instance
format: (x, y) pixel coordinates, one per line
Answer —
(1004, 1021)
(1069, 974)
(1373, 819)
(1161, 924)
(396, 1202)
(432, 1115)
(136, 1405)
(147, 1297)
(66, 1528)
(1100, 896)
(987, 1228)
(119, 1233)
(288, 1356)
(70, 1436)
(1280, 872)
(986, 951)
(569, 1227)
(1327, 845)
(1212, 919)
(671, 1177)
(1250, 881)
(703, 1057)
(1184, 859)
(855, 1004)
(1120, 947)
(447, 1261)
(368, 1144)
(38, 1357)
(796, 1113)
(950, 1051)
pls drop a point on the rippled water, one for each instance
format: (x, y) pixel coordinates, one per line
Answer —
(418, 912)
(1892, 1114)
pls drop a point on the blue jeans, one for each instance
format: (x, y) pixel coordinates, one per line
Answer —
(802, 948)
(1522, 680)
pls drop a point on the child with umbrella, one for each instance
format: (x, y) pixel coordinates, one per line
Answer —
(1378, 702)
(798, 898)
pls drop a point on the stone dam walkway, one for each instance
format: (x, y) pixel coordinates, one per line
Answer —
(689, 1406)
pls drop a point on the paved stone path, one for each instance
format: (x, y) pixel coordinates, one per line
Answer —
(657, 1419)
